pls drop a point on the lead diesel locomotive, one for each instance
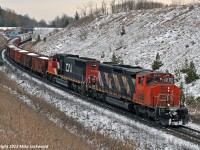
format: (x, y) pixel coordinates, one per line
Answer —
(133, 88)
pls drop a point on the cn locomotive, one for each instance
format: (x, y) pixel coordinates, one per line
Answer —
(145, 92)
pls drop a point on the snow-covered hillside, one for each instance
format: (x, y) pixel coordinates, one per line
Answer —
(44, 32)
(173, 32)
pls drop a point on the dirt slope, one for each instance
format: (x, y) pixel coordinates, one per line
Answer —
(20, 125)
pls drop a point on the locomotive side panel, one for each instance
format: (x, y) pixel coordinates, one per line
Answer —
(115, 80)
(104, 71)
(92, 72)
(73, 69)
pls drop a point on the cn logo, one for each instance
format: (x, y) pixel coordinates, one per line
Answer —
(68, 67)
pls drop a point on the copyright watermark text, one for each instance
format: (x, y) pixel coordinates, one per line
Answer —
(24, 146)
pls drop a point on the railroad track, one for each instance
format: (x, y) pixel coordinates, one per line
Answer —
(181, 132)
(1, 60)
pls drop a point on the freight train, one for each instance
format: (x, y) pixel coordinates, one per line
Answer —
(145, 92)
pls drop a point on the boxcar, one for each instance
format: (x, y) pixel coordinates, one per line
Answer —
(23, 54)
(40, 64)
(16, 41)
(13, 54)
(17, 56)
(27, 59)
(8, 47)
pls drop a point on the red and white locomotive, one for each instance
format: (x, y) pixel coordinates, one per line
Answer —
(145, 92)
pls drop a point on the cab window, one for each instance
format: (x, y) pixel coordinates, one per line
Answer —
(158, 79)
(170, 80)
(141, 80)
(149, 80)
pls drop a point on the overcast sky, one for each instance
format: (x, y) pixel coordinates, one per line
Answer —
(49, 9)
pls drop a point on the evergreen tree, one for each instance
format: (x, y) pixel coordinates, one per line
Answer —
(157, 63)
(185, 67)
(123, 30)
(38, 38)
(77, 16)
(191, 74)
(66, 23)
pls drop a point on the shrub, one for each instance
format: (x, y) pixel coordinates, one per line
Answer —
(102, 55)
(44, 39)
(117, 59)
(192, 101)
(191, 73)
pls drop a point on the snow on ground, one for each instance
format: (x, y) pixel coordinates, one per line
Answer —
(194, 126)
(44, 32)
(96, 118)
(173, 32)
(8, 28)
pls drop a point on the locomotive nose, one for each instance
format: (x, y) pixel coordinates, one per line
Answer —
(166, 96)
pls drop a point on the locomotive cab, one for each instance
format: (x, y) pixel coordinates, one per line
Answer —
(158, 92)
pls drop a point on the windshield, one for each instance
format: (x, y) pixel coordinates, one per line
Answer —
(157, 79)
(170, 80)
(150, 80)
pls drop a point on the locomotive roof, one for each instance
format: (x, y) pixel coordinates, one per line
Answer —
(128, 69)
(134, 70)
(83, 59)
(128, 66)
(144, 73)
(86, 58)
(110, 63)
(64, 55)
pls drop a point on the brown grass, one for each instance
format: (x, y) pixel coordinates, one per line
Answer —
(195, 114)
(21, 125)
(32, 127)
(2, 41)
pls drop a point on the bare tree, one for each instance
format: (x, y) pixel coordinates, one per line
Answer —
(90, 5)
(83, 10)
(131, 4)
(97, 11)
(122, 5)
(103, 8)
(178, 2)
(112, 6)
